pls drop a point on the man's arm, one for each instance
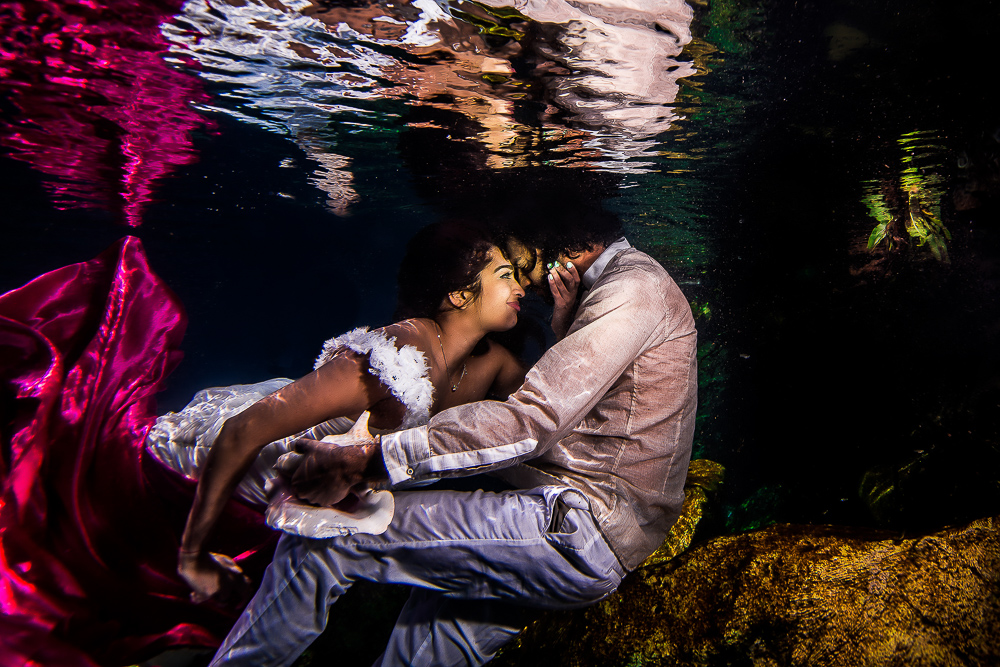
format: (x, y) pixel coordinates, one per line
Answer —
(618, 320)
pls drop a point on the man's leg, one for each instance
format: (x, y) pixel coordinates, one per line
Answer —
(470, 546)
(434, 629)
(287, 613)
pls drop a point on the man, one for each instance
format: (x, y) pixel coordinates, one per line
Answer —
(596, 442)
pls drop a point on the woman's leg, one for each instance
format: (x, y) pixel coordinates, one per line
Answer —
(181, 441)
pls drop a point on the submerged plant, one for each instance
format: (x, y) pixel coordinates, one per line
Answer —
(919, 211)
(924, 224)
(879, 210)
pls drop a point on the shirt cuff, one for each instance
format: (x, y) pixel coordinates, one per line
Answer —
(402, 451)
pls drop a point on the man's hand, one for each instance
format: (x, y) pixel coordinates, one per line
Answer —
(564, 282)
(212, 575)
(329, 471)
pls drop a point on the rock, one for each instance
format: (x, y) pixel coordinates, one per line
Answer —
(816, 596)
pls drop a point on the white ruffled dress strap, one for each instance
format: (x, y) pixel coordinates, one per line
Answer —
(403, 369)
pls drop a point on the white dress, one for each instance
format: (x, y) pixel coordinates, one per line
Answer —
(181, 440)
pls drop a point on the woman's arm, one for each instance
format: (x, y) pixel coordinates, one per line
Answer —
(341, 387)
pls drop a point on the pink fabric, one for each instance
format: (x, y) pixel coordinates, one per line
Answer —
(90, 524)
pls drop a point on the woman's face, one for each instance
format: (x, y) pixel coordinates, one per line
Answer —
(497, 303)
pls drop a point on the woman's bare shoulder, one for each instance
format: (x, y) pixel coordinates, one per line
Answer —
(418, 332)
(498, 351)
(492, 355)
(504, 370)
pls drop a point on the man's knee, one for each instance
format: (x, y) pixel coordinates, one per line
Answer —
(602, 586)
(597, 571)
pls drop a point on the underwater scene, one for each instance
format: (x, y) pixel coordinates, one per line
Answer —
(820, 178)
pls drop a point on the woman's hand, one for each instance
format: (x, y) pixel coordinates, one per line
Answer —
(564, 282)
(213, 575)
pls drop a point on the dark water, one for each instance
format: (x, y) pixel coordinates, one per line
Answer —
(274, 159)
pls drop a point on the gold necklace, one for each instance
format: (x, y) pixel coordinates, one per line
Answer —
(454, 387)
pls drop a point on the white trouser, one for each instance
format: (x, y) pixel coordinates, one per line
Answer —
(473, 557)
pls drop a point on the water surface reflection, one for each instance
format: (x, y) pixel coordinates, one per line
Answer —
(103, 96)
(97, 110)
(585, 84)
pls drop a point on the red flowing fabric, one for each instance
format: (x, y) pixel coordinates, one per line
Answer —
(90, 523)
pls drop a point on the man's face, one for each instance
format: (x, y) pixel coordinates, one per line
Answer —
(530, 272)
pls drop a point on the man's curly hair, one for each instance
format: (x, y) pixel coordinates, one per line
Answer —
(558, 212)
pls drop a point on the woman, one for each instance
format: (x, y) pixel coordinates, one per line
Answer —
(456, 286)
(90, 522)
